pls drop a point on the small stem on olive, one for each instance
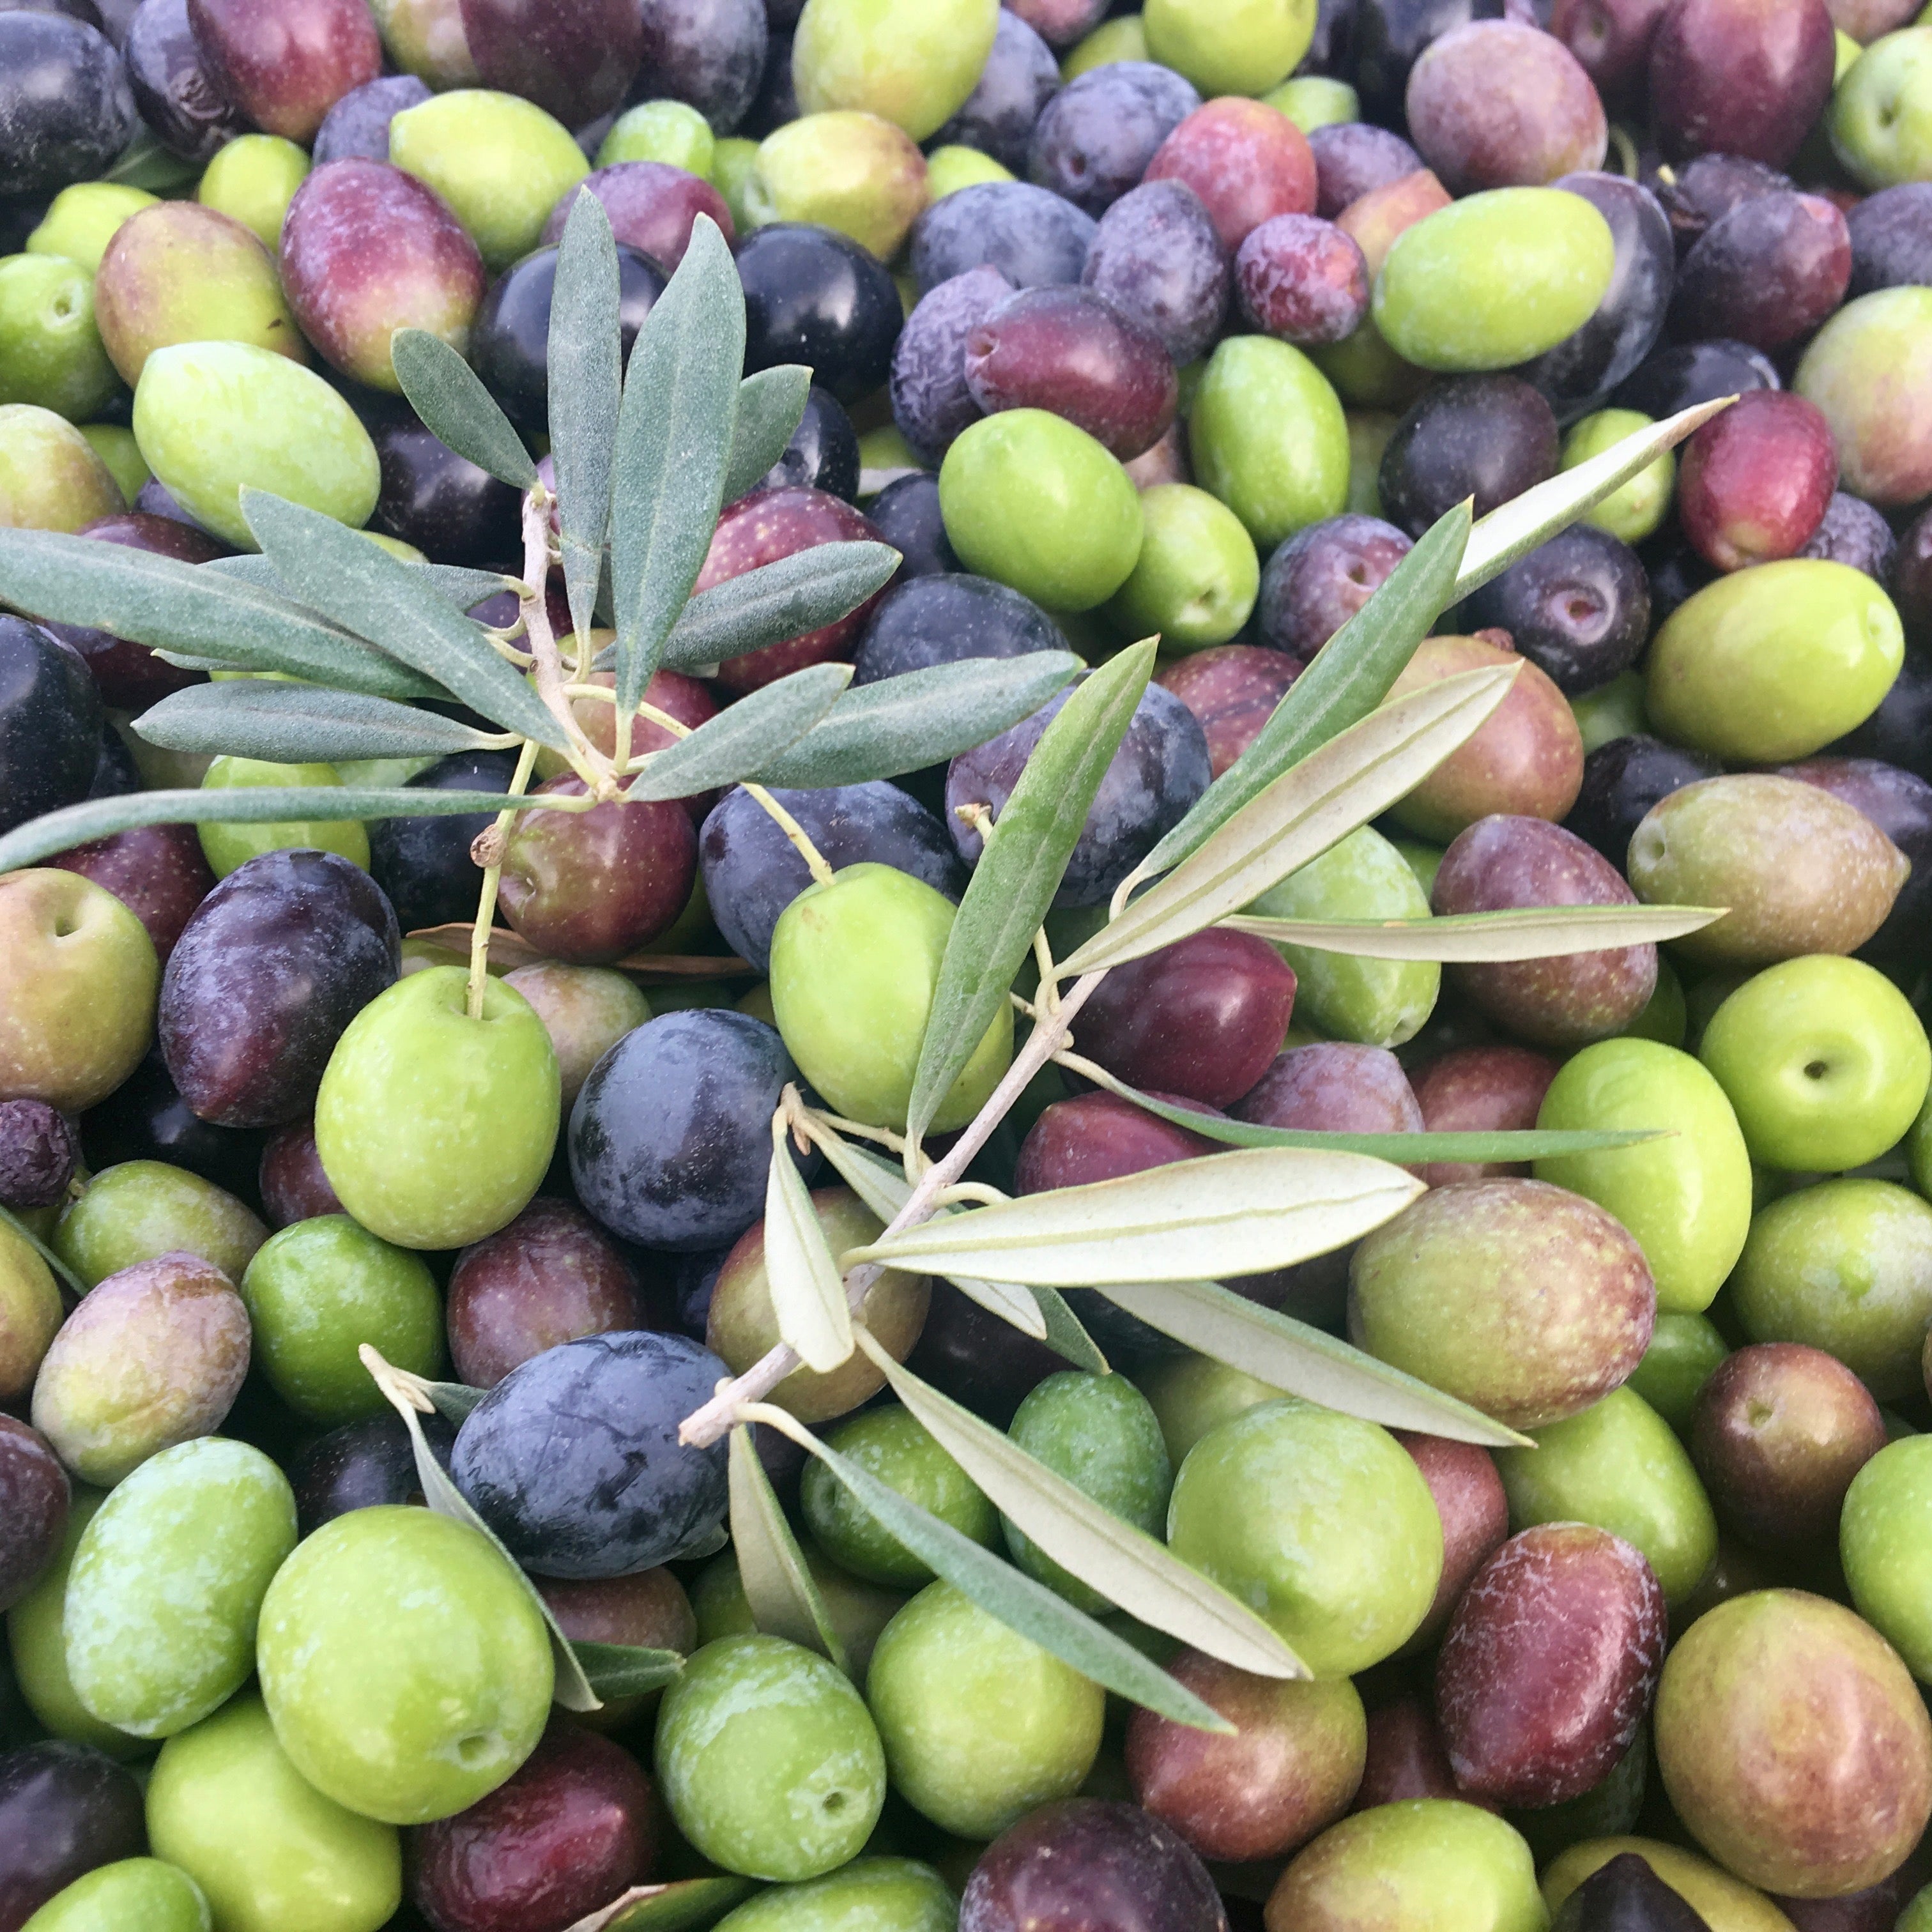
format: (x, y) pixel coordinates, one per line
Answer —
(814, 860)
(597, 772)
(493, 875)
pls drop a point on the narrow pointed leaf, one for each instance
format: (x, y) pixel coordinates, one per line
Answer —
(923, 717)
(1221, 1214)
(626, 1670)
(1019, 871)
(366, 590)
(1347, 679)
(191, 609)
(299, 724)
(771, 405)
(1066, 1334)
(779, 1590)
(1517, 1143)
(744, 737)
(269, 804)
(573, 1690)
(455, 407)
(454, 1400)
(684, 1905)
(1530, 932)
(586, 389)
(1353, 777)
(803, 592)
(674, 435)
(1289, 1355)
(1521, 524)
(459, 587)
(885, 1191)
(807, 1289)
(1002, 1591)
(1126, 1566)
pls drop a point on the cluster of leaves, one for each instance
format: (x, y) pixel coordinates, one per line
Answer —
(382, 653)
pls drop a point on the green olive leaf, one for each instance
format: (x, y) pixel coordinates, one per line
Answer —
(266, 804)
(1126, 1566)
(194, 610)
(145, 164)
(922, 717)
(804, 592)
(1512, 1144)
(573, 1689)
(1528, 932)
(885, 1190)
(350, 580)
(674, 436)
(455, 407)
(1346, 679)
(585, 391)
(1002, 1592)
(300, 724)
(1356, 774)
(1515, 529)
(459, 587)
(626, 1670)
(1019, 871)
(783, 1599)
(771, 405)
(744, 737)
(1219, 1214)
(684, 1905)
(1066, 1334)
(454, 1400)
(808, 1289)
(1300, 1361)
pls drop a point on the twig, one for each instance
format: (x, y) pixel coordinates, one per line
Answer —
(595, 770)
(493, 839)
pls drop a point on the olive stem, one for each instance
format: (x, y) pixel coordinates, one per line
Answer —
(709, 1424)
(496, 835)
(590, 765)
(814, 860)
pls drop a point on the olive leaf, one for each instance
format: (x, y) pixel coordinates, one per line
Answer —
(454, 1400)
(885, 1190)
(1219, 1214)
(1529, 932)
(368, 592)
(1524, 522)
(1016, 1600)
(459, 587)
(8, 1219)
(1300, 1361)
(573, 1690)
(674, 434)
(683, 1905)
(1347, 679)
(784, 1600)
(202, 613)
(1359, 772)
(807, 1289)
(1124, 1564)
(1512, 1144)
(744, 737)
(265, 805)
(586, 389)
(626, 1669)
(455, 407)
(1066, 1334)
(771, 405)
(300, 724)
(1019, 871)
(145, 164)
(921, 718)
(804, 592)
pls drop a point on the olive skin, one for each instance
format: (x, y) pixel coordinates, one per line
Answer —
(50, 721)
(69, 110)
(813, 296)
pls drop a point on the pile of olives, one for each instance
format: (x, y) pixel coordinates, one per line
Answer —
(1187, 322)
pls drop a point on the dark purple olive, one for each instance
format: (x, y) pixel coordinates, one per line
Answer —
(944, 618)
(1621, 781)
(906, 514)
(574, 61)
(776, 101)
(50, 723)
(1586, 366)
(423, 864)
(932, 402)
(709, 53)
(1911, 579)
(1391, 34)
(65, 1808)
(290, 1179)
(1157, 256)
(38, 1151)
(977, 1358)
(1852, 532)
(1767, 273)
(451, 510)
(1490, 437)
(174, 86)
(822, 453)
(1696, 194)
(115, 773)
(357, 126)
(34, 1498)
(1891, 239)
(815, 297)
(1740, 77)
(362, 1465)
(1020, 77)
(1318, 580)
(1578, 606)
(131, 676)
(67, 110)
(146, 1118)
(1033, 237)
(1625, 1895)
(1682, 374)
(275, 963)
(1351, 158)
(1676, 572)
(1094, 139)
(1900, 731)
(1086, 1863)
